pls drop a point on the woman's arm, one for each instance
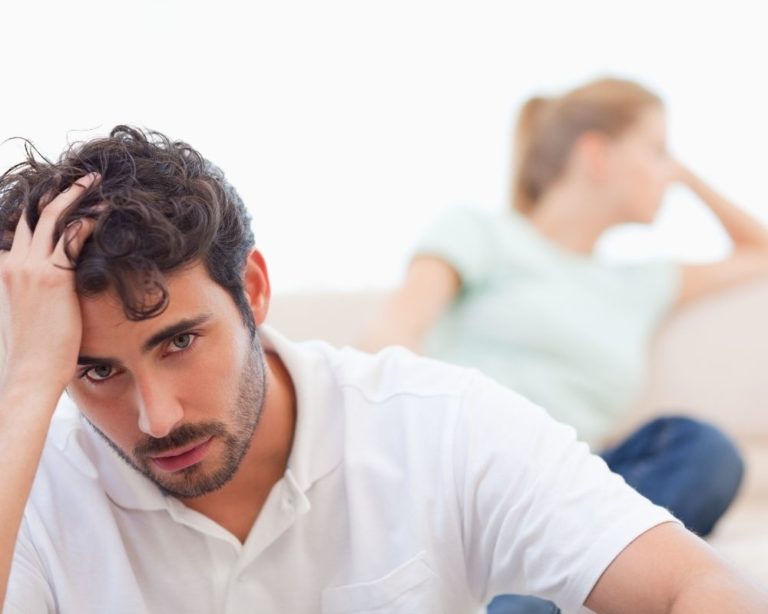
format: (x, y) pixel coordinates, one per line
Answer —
(745, 231)
(430, 286)
(749, 259)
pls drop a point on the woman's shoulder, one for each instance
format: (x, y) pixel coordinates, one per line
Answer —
(470, 239)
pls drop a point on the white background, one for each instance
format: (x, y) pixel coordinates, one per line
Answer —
(347, 126)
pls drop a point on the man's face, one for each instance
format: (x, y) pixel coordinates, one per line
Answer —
(178, 396)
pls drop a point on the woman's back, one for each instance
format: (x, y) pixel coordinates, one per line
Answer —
(566, 330)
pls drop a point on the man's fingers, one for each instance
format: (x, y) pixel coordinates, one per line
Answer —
(22, 236)
(42, 238)
(71, 241)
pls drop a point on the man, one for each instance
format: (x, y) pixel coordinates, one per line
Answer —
(202, 463)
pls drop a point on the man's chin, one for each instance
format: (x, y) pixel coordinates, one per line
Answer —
(188, 483)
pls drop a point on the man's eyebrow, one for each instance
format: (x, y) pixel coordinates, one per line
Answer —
(173, 330)
(91, 360)
(155, 340)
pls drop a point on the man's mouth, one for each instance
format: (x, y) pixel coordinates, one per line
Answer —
(183, 457)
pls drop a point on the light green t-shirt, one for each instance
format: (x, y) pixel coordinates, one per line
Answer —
(568, 331)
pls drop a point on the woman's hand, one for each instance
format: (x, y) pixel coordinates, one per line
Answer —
(746, 232)
(749, 257)
(684, 175)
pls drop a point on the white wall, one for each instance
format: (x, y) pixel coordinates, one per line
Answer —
(347, 125)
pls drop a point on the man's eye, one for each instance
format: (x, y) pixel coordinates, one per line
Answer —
(99, 373)
(181, 342)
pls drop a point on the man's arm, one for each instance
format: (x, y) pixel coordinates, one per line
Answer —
(542, 516)
(668, 569)
(40, 328)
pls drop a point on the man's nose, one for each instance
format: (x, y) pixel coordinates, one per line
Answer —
(159, 411)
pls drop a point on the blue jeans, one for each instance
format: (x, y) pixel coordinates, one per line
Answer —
(687, 466)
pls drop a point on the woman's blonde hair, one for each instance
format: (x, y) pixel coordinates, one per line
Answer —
(548, 128)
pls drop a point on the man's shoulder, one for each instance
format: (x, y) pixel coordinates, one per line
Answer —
(396, 371)
(397, 381)
(393, 370)
(392, 373)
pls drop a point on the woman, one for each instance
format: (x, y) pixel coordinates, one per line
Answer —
(522, 297)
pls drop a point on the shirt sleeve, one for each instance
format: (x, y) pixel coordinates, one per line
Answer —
(464, 238)
(28, 590)
(541, 515)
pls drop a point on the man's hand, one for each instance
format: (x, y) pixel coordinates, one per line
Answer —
(40, 323)
(41, 328)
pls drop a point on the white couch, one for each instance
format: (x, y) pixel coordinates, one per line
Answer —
(710, 360)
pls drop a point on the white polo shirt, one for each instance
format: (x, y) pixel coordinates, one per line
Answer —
(412, 487)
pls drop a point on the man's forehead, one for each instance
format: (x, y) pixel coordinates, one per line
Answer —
(191, 293)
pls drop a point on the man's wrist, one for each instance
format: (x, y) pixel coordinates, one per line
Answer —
(29, 395)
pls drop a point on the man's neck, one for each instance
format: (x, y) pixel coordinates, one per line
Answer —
(237, 504)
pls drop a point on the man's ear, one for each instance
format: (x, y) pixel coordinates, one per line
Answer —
(257, 286)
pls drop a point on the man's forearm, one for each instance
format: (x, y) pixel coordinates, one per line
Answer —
(25, 415)
(719, 592)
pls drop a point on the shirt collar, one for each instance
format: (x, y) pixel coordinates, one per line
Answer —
(86, 449)
(318, 435)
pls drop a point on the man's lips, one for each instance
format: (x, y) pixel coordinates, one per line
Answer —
(183, 457)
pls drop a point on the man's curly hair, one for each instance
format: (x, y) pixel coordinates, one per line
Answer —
(159, 206)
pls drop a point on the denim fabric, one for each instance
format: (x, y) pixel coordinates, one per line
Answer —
(687, 466)
(519, 604)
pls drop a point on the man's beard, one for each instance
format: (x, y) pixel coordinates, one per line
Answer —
(193, 481)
